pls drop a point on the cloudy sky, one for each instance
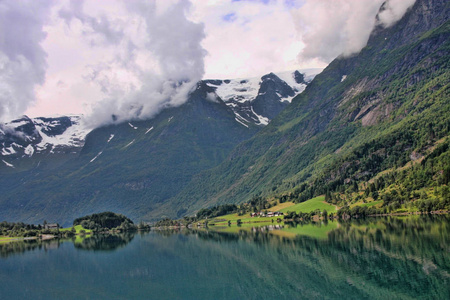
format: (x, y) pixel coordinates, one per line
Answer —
(133, 58)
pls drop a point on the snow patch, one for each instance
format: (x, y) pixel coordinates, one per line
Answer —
(129, 144)
(96, 156)
(298, 88)
(8, 151)
(243, 90)
(170, 119)
(231, 104)
(343, 77)
(132, 126)
(240, 90)
(262, 120)
(8, 164)
(29, 150)
(241, 122)
(110, 138)
(74, 135)
(150, 129)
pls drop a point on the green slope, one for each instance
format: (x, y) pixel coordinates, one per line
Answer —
(393, 104)
(380, 134)
(311, 205)
(130, 168)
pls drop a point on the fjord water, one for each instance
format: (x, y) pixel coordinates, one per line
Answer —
(388, 258)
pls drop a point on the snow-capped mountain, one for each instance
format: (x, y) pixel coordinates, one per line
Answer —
(27, 137)
(258, 100)
(254, 101)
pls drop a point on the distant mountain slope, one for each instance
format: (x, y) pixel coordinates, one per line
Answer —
(26, 142)
(386, 109)
(259, 100)
(130, 168)
(364, 114)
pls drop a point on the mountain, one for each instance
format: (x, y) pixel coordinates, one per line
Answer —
(371, 126)
(370, 129)
(259, 100)
(131, 168)
(26, 143)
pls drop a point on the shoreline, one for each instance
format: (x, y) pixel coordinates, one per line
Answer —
(438, 212)
(43, 237)
(435, 212)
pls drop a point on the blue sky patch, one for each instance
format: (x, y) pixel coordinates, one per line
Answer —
(231, 17)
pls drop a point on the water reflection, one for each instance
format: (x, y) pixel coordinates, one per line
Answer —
(17, 247)
(402, 258)
(100, 242)
(104, 242)
(375, 258)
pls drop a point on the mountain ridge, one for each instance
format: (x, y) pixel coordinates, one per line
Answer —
(355, 102)
(26, 136)
(371, 126)
(143, 162)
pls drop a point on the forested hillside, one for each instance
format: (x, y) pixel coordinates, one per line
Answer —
(371, 130)
(129, 168)
(369, 127)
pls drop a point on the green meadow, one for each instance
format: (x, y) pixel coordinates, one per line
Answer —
(78, 229)
(306, 207)
(311, 205)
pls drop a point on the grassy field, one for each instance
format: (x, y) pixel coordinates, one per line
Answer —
(7, 239)
(223, 220)
(281, 206)
(4, 239)
(311, 205)
(307, 206)
(78, 228)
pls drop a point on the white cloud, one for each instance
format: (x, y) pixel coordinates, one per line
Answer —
(127, 59)
(132, 58)
(153, 69)
(331, 28)
(247, 38)
(22, 59)
(393, 11)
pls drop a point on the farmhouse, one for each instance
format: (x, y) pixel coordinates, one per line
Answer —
(51, 226)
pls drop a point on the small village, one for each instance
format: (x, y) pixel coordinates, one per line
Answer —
(266, 215)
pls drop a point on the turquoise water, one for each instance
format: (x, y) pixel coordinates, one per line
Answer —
(406, 258)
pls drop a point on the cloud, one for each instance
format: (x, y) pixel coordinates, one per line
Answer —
(99, 29)
(212, 97)
(248, 38)
(330, 28)
(154, 68)
(130, 59)
(393, 11)
(22, 59)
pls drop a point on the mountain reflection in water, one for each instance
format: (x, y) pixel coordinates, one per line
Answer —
(381, 258)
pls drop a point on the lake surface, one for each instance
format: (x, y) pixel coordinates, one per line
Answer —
(389, 258)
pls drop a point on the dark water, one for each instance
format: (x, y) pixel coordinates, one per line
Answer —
(392, 258)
